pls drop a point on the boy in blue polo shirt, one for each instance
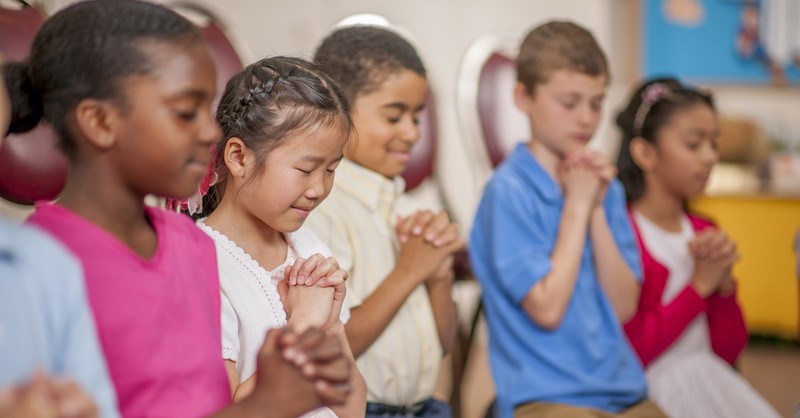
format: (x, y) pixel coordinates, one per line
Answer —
(554, 250)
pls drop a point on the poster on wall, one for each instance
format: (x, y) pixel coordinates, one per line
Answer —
(722, 41)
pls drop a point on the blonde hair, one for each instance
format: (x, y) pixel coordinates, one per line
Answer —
(558, 46)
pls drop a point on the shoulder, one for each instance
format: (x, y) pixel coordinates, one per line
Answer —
(39, 258)
(181, 224)
(700, 222)
(32, 242)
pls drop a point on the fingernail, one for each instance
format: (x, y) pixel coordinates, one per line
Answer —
(308, 369)
(417, 229)
(430, 237)
(290, 353)
(300, 359)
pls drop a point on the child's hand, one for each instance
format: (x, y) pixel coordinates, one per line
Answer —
(47, 397)
(444, 273)
(72, 401)
(34, 399)
(321, 272)
(580, 183)
(714, 255)
(599, 164)
(297, 374)
(437, 229)
(317, 267)
(307, 306)
(320, 357)
(420, 260)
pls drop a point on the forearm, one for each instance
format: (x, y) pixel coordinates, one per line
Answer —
(444, 312)
(369, 320)
(244, 389)
(613, 272)
(548, 299)
(250, 408)
(239, 390)
(357, 400)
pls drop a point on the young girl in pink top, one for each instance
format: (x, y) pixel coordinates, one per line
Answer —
(688, 329)
(285, 125)
(128, 87)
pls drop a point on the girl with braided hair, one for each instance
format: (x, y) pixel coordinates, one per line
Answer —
(285, 125)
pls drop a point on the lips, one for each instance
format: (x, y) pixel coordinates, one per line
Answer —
(401, 155)
(582, 137)
(302, 211)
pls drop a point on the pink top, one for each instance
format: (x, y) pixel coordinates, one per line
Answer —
(158, 319)
(655, 326)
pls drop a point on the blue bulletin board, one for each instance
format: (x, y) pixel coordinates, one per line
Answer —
(722, 41)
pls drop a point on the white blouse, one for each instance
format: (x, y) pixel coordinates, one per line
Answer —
(251, 305)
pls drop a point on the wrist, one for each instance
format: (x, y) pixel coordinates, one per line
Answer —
(405, 278)
(300, 322)
(727, 288)
(440, 284)
(578, 208)
(253, 407)
(701, 288)
(334, 328)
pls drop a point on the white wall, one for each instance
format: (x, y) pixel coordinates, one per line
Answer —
(444, 30)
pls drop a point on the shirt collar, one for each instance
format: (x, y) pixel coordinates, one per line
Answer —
(526, 164)
(372, 189)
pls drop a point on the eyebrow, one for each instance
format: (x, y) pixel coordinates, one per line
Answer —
(317, 159)
(402, 106)
(197, 94)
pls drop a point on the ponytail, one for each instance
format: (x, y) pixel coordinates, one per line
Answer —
(26, 103)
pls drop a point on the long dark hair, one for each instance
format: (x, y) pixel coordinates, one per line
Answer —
(86, 51)
(267, 101)
(650, 108)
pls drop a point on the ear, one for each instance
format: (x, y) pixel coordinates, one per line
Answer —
(236, 155)
(97, 121)
(522, 97)
(644, 154)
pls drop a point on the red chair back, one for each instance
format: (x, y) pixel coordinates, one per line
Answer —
(32, 168)
(219, 43)
(423, 155)
(502, 124)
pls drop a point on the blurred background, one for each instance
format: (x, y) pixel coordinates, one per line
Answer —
(746, 52)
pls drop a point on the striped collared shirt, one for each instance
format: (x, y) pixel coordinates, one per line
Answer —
(356, 221)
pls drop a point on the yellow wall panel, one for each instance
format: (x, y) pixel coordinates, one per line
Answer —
(764, 229)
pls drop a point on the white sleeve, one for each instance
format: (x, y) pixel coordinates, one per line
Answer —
(230, 330)
(344, 316)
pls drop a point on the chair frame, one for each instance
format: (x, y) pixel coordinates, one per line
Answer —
(467, 90)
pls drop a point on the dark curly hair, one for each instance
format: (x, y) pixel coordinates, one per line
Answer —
(86, 51)
(361, 57)
(266, 102)
(645, 120)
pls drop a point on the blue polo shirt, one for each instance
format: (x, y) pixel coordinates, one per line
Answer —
(45, 321)
(587, 361)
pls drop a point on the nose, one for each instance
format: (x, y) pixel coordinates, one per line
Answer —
(209, 132)
(316, 189)
(409, 130)
(587, 115)
(710, 155)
